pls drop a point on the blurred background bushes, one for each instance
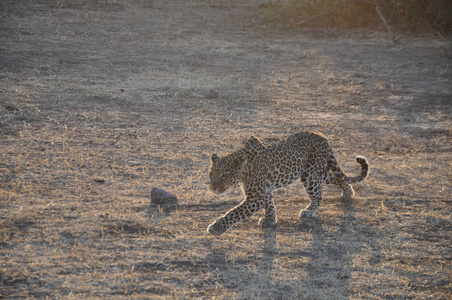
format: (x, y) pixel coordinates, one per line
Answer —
(400, 15)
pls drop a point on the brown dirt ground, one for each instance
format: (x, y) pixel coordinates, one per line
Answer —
(102, 100)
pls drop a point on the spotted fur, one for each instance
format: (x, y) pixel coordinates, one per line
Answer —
(306, 156)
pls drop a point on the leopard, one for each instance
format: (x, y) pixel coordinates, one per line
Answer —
(262, 168)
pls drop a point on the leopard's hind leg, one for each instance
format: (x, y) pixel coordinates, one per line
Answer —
(347, 189)
(313, 187)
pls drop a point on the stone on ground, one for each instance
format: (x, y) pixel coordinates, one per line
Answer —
(162, 197)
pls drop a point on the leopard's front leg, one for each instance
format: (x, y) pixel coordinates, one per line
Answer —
(270, 213)
(241, 212)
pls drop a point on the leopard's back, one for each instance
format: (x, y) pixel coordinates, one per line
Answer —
(296, 157)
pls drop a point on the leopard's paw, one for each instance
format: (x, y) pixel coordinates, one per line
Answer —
(348, 194)
(307, 213)
(267, 222)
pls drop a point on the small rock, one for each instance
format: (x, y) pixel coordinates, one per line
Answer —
(162, 197)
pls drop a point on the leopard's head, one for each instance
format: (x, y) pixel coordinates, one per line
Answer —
(225, 171)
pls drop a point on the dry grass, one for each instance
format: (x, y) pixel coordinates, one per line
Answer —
(104, 100)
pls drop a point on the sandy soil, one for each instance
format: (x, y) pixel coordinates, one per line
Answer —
(102, 100)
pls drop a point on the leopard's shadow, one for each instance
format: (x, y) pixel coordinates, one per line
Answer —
(268, 251)
(332, 249)
(227, 269)
(325, 261)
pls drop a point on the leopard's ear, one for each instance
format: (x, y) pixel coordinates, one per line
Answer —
(254, 142)
(214, 158)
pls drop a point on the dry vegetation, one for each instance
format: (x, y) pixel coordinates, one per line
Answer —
(412, 16)
(102, 100)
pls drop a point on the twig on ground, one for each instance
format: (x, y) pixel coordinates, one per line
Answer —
(377, 8)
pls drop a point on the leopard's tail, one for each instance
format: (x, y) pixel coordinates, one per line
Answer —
(333, 166)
